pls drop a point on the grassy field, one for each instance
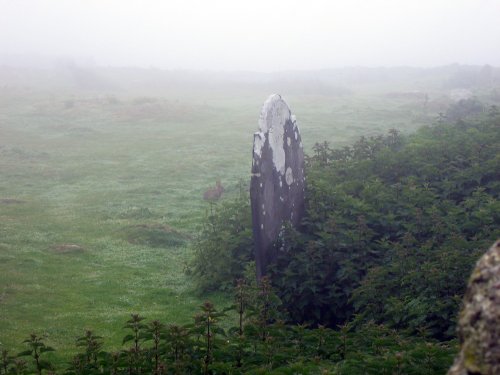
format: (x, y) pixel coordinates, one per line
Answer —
(101, 193)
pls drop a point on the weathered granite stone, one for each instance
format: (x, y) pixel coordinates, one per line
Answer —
(277, 184)
(479, 321)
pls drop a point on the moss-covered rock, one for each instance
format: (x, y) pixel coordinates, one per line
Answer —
(479, 321)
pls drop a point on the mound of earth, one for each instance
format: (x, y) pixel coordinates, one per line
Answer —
(67, 248)
(154, 235)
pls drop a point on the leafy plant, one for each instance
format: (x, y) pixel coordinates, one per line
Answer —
(155, 332)
(6, 360)
(37, 347)
(135, 354)
(224, 246)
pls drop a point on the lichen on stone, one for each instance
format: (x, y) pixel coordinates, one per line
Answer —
(275, 113)
(479, 320)
(277, 179)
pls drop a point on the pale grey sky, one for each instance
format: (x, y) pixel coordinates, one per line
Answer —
(261, 35)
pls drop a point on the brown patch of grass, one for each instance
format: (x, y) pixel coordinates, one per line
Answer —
(67, 248)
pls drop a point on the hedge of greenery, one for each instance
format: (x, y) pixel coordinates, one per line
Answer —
(257, 342)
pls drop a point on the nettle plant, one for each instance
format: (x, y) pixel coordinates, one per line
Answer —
(258, 341)
(36, 348)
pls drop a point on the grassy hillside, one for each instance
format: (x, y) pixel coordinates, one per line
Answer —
(101, 186)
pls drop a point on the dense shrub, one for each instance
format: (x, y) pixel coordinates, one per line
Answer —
(393, 228)
(224, 246)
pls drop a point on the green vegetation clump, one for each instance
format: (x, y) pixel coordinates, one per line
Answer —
(248, 337)
(224, 246)
(393, 227)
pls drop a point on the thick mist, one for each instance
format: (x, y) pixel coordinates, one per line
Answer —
(250, 35)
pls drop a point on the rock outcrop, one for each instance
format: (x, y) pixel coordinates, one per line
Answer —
(479, 321)
(277, 183)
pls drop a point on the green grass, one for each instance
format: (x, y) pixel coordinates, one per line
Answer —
(123, 180)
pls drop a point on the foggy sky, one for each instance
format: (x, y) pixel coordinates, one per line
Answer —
(259, 35)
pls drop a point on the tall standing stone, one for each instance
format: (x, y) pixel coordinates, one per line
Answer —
(277, 183)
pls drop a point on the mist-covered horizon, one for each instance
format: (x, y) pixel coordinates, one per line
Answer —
(258, 36)
(36, 61)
